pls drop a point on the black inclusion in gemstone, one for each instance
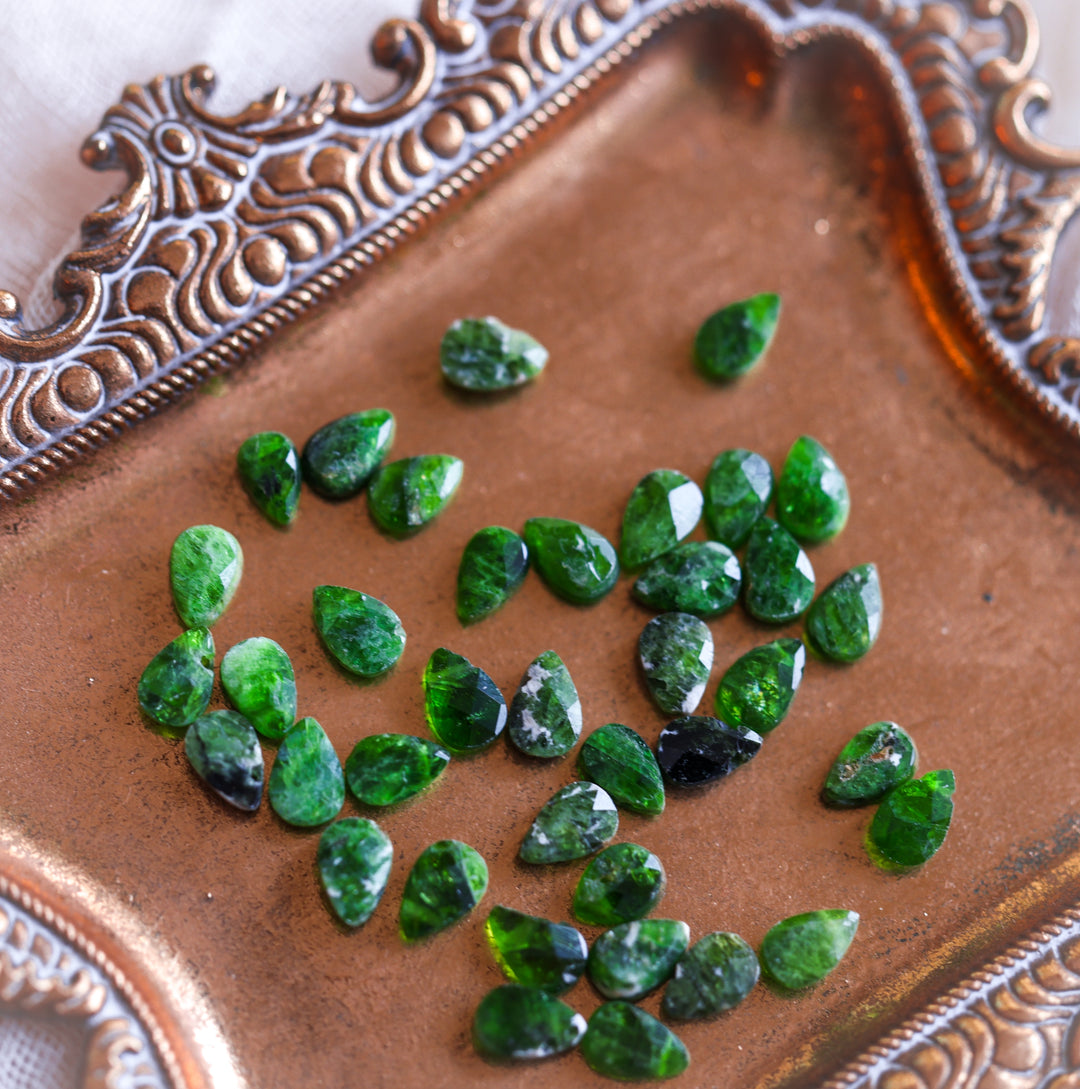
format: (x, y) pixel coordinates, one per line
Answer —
(697, 749)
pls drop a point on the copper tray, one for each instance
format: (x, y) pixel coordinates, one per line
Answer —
(870, 161)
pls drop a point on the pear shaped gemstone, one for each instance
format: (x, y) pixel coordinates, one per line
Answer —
(354, 858)
(844, 622)
(493, 567)
(738, 489)
(407, 494)
(205, 566)
(175, 687)
(812, 500)
(804, 949)
(223, 748)
(307, 785)
(879, 757)
(545, 713)
(269, 468)
(259, 682)
(483, 354)
(634, 958)
(778, 578)
(912, 821)
(617, 759)
(676, 654)
(697, 749)
(664, 507)
(517, 1023)
(731, 341)
(757, 689)
(535, 952)
(446, 882)
(361, 633)
(385, 769)
(624, 1042)
(698, 577)
(340, 458)
(463, 707)
(715, 975)
(575, 561)
(577, 820)
(623, 882)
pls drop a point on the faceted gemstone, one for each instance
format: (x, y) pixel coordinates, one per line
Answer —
(631, 959)
(493, 566)
(269, 468)
(484, 354)
(697, 749)
(175, 687)
(576, 821)
(463, 707)
(387, 768)
(618, 759)
(912, 820)
(844, 622)
(446, 882)
(664, 507)
(361, 633)
(805, 948)
(545, 713)
(204, 569)
(575, 561)
(307, 786)
(627, 1043)
(622, 883)
(698, 577)
(339, 459)
(354, 859)
(757, 689)
(875, 760)
(715, 975)
(676, 654)
(407, 494)
(737, 492)
(733, 339)
(778, 578)
(812, 500)
(535, 952)
(514, 1022)
(223, 748)
(259, 682)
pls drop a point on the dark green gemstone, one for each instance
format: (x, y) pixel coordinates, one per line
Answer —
(463, 707)
(516, 1023)
(388, 768)
(812, 500)
(446, 882)
(407, 494)
(575, 821)
(259, 682)
(535, 952)
(204, 569)
(757, 689)
(175, 687)
(844, 622)
(627, 1043)
(715, 975)
(269, 468)
(737, 493)
(223, 748)
(361, 633)
(340, 458)
(484, 354)
(698, 577)
(805, 948)
(911, 823)
(733, 339)
(545, 713)
(664, 507)
(354, 859)
(778, 578)
(875, 760)
(697, 749)
(493, 566)
(632, 959)
(622, 883)
(575, 561)
(619, 760)
(676, 655)
(307, 786)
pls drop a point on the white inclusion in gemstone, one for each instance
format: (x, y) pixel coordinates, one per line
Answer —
(631, 935)
(832, 480)
(532, 729)
(541, 837)
(804, 566)
(602, 801)
(685, 503)
(536, 675)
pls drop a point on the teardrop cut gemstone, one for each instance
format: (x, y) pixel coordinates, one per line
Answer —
(176, 685)
(757, 689)
(259, 682)
(625, 1042)
(354, 858)
(269, 468)
(545, 713)
(844, 622)
(446, 882)
(634, 958)
(205, 566)
(698, 577)
(617, 758)
(223, 748)
(804, 949)
(535, 952)
(624, 882)
(340, 458)
(493, 567)
(664, 507)
(697, 749)
(912, 821)
(362, 634)
(738, 489)
(519, 1023)
(407, 494)
(879, 757)
(307, 785)
(778, 578)
(385, 769)
(812, 500)
(731, 341)
(676, 655)
(483, 354)
(717, 973)
(578, 563)
(575, 821)
(462, 705)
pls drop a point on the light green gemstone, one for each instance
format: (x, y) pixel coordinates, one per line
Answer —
(463, 707)
(363, 634)
(545, 713)
(812, 500)
(617, 758)
(778, 578)
(204, 569)
(627, 1043)
(844, 622)
(575, 561)
(307, 785)
(340, 458)
(175, 687)
(676, 655)
(737, 493)
(731, 341)
(493, 566)
(757, 689)
(269, 469)
(634, 958)
(664, 507)
(535, 952)
(575, 821)
(624, 882)
(446, 882)
(407, 494)
(912, 821)
(698, 577)
(259, 682)
(805, 948)
(385, 769)
(521, 1023)
(223, 748)
(354, 858)
(879, 757)
(715, 975)
(483, 354)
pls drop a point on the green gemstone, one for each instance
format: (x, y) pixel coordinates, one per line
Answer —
(361, 633)
(259, 682)
(844, 622)
(446, 882)
(575, 561)
(733, 339)
(875, 760)
(388, 768)
(269, 468)
(757, 689)
(778, 578)
(698, 577)
(307, 785)
(354, 859)
(223, 748)
(493, 566)
(340, 458)
(676, 655)
(911, 823)
(407, 494)
(463, 707)
(535, 952)
(575, 821)
(715, 975)
(805, 948)
(664, 507)
(812, 500)
(545, 713)
(514, 1022)
(632, 959)
(484, 354)
(737, 492)
(627, 1043)
(175, 687)
(204, 569)
(622, 883)
(618, 759)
